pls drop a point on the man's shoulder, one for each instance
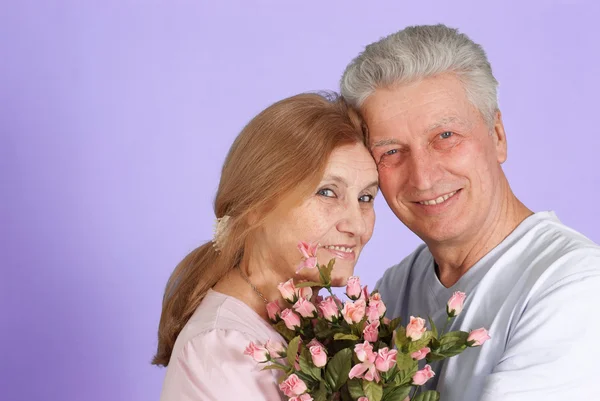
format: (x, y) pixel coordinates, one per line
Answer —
(400, 271)
(552, 243)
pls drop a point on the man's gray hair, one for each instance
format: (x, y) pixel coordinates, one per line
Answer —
(418, 52)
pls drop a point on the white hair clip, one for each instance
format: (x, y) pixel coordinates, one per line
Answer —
(219, 232)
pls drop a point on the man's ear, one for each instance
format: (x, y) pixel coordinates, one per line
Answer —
(499, 136)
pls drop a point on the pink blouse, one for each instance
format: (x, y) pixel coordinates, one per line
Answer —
(208, 361)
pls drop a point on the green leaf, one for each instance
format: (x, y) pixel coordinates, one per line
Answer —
(454, 338)
(267, 367)
(434, 356)
(323, 330)
(308, 284)
(450, 344)
(325, 271)
(434, 344)
(433, 328)
(421, 342)
(452, 351)
(292, 350)
(395, 323)
(338, 368)
(401, 339)
(344, 395)
(430, 395)
(307, 366)
(373, 391)
(321, 393)
(397, 393)
(404, 376)
(342, 336)
(284, 331)
(405, 361)
(355, 389)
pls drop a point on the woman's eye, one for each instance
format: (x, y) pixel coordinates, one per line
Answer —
(446, 135)
(366, 198)
(326, 192)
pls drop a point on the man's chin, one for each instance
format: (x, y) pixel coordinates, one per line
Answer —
(437, 233)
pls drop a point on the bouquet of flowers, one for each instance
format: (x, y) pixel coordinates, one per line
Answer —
(350, 350)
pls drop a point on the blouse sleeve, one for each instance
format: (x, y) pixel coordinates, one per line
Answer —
(212, 366)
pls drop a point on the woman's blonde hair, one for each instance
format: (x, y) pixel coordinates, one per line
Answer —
(278, 156)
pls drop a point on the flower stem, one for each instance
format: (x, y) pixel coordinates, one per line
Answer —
(445, 325)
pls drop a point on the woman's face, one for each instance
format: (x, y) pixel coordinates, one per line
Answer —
(339, 215)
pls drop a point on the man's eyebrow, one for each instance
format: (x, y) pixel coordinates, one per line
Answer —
(385, 142)
(444, 121)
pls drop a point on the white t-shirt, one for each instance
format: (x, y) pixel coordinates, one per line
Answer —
(538, 294)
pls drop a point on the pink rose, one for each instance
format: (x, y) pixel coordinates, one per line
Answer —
(305, 292)
(415, 328)
(275, 348)
(293, 386)
(288, 290)
(365, 294)
(329, 309)
(479, 337)
(319, 356)
(305, 308)
(376, 300)
(257, 351)
(386, 359)
(456, 303)
(371, 331)
(273, 310)
(420, 354)
(314, 342)
(372, 313)
(303, 397)
(309, 256)
(422, 376)
(363, 399)
(366, 369)
(364, 351)
(353, 312)
(290, 319)
(353, 287)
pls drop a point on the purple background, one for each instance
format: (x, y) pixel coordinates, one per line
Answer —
(115, 117)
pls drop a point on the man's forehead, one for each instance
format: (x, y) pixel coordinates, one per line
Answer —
(396, 129)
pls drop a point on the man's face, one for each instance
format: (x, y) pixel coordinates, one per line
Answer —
(438, 160)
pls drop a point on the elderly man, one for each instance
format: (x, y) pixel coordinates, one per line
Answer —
(428, 97)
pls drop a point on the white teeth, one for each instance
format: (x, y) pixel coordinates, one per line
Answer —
(439, 200)
(338, 248)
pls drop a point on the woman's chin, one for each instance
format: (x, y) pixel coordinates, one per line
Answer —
(340, 278)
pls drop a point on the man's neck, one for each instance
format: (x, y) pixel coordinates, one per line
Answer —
(454, 259)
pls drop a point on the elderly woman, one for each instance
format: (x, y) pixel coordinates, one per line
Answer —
(298, 171)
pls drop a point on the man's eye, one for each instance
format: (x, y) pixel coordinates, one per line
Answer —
(391, 152)
(446, 135)
(326, 192)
